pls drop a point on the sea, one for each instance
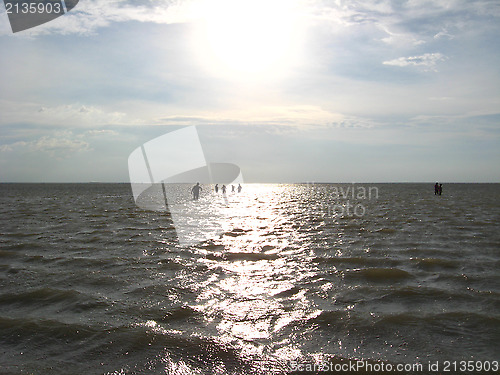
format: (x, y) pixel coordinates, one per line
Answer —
(297, 279)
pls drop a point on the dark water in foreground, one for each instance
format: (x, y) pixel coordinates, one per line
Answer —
(91, 284)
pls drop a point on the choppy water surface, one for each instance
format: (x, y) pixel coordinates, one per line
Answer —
(91, 284)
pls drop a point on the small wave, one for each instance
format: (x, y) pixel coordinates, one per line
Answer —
(463, 321)
(413, 292)
(242, 256)
(379, 274)
(236, 232)
(330, 318)
(12, 248)
(346, 260)
(385, 230)
(249, 256)
(435, 263)
(48, 295)
(54, 299)
(158, 290)
(289, 292)
(170, 264)
(180, 313)
(19, 330)
(209, 245)
(8, 254)
(361, 261)
(424, 298)
(268, 247)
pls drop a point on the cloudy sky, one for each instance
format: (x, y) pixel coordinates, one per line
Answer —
(291, 91)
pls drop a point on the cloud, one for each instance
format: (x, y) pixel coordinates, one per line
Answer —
(59, 145)
(295, 116)
(444, 34)
(63, 115)
(406, 23)
(351, 122)
(425, 17)
(102, 132)
(401, 38)
(13, 146)
(428, 61)
(90, 15)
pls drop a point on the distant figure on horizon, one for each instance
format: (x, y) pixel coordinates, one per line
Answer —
(196, 191)
(239, 188)
(436, 189)
(216, 188)
(223, 189)
(232, 188)
(440, 189)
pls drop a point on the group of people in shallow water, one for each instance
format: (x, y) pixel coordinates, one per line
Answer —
(224, 188)
(438, 189)
(197, 189)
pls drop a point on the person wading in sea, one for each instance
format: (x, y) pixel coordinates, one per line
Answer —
(196, 191)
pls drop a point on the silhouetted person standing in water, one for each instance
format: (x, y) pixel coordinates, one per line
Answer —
(436, 189)
(440, 189)
(216, 188)
(196, 191)
(232, 188)
(239, 188)
(223, 189)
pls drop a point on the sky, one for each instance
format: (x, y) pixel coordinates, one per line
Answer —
(290, 91)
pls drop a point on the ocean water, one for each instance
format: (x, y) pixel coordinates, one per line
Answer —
(298, 274)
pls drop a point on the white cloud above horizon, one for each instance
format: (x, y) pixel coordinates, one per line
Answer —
(428, 61)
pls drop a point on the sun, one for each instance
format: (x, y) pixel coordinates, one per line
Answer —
(249, 37)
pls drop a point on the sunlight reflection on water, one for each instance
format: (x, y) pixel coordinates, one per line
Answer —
(264, 258)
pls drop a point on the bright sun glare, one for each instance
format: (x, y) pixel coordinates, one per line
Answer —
(249, 37)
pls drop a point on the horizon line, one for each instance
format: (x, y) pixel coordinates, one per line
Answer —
(266, 183)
